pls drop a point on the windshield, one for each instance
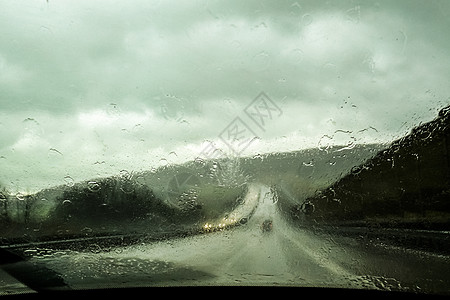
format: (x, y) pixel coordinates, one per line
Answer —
(224, 143)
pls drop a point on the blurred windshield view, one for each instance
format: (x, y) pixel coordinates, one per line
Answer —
(225, 143)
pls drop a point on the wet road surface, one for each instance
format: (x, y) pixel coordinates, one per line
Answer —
(248, 255)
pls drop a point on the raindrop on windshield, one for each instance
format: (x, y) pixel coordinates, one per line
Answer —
(163, 162)
(307, 19)
(296, 56)
(52, 152)
(124, 174)
(69, 181)
(258, 156)
(325, 142)
(173, 154)
(354, 14)
(200, 161)
(31, 126)
(274, 196)
(93, 186)
(113, 109)
(309, 163)
(261, 61)
(87, 230)
(140, 180)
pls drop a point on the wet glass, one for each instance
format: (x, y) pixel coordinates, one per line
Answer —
(226, 143)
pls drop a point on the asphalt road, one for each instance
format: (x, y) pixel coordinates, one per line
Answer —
(247, 255)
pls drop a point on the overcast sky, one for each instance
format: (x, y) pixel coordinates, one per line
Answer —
(90, 88)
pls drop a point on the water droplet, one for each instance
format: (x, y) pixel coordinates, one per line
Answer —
(325, 142)
(86, 230)
(163, 162)
(54, 151)
(93, 186)
(309, 164)
(69, 181)
(113, 110)
(32, 126)
(262, 61)
(124, 174)
(354, 14)
(307, 207)
(296, 56)
(200, 161)
(3, 197)
(275, 198)
(20, 196)
(307, 19)
(94, 248)
(140, 180)
(336, 200)
(128, 187)
(66, 202)
(258, 156)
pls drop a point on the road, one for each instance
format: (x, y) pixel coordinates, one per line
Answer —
(245, 255)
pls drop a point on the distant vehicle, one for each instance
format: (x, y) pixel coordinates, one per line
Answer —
(266, 226)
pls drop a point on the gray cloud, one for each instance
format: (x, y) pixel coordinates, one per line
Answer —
(122, 84)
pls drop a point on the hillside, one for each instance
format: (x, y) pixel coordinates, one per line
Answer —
(404, 185)
(171, 197)
(149, 203)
